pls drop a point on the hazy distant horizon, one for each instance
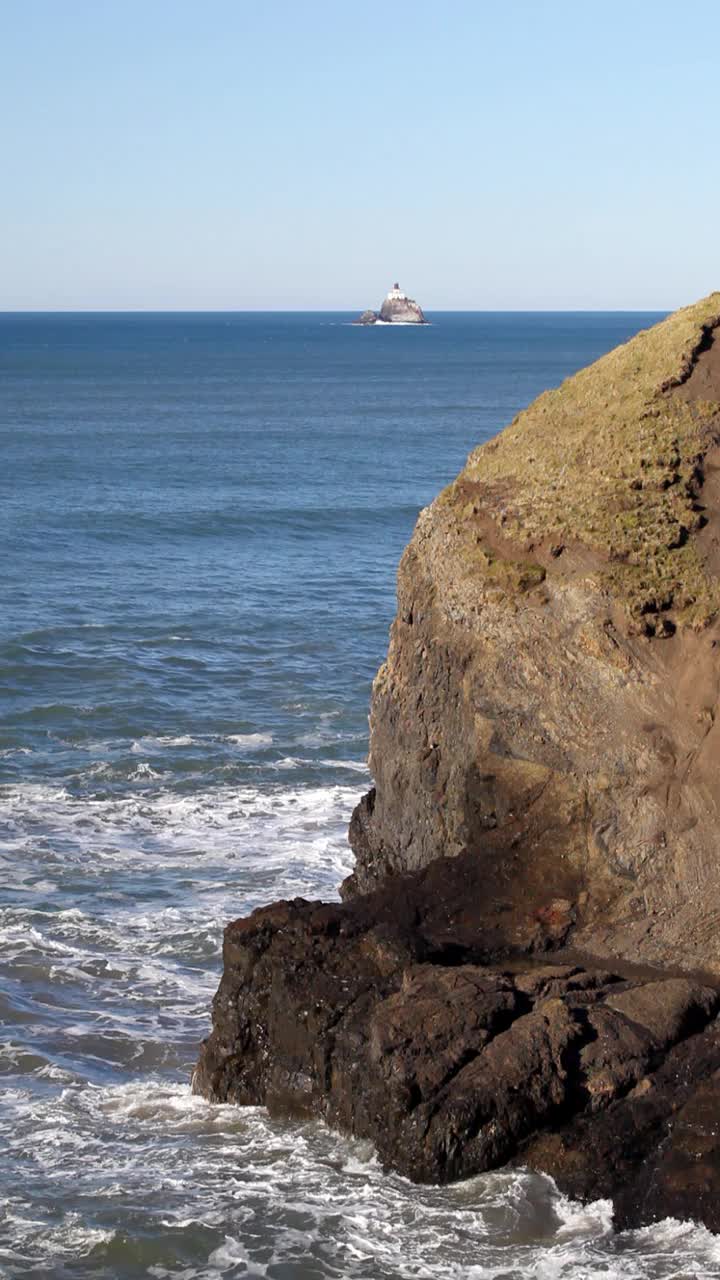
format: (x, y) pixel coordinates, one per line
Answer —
(328, 311)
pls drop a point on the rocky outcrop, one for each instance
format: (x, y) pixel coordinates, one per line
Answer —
(550, 696)
(396, 309)
(527, 961)
(381, 1017)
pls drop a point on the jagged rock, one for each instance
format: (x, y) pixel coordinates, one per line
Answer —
(682, 1175)
(396, 309)
(350, 1012)
(655, 1150)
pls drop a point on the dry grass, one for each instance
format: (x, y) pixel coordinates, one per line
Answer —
(612, 460)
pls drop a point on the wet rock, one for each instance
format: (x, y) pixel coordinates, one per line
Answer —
(681, 1177)
(654, 1151)
(353, 1012)
(668, 1010)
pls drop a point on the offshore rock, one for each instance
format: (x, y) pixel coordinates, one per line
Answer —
(396, 309)
(526, 964)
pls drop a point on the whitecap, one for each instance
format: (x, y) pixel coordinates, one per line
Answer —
(247, 741)
(577, 1218)
(354, 766)
(143, 772)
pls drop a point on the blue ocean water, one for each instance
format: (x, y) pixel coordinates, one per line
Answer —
(201, 521)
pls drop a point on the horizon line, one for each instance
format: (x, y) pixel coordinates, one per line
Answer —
(216, 311)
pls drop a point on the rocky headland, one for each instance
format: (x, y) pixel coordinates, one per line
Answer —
(397, 308)
(526, 964)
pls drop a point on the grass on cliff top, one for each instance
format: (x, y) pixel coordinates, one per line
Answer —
(609, 459)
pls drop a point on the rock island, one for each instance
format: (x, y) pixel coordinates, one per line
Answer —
(526, 964)
(396, 309)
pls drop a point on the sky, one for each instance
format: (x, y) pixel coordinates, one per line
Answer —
(305, 154)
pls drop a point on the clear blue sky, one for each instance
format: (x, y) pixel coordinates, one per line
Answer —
(306, 153)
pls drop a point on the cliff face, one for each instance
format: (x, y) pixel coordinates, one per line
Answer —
(550, 695)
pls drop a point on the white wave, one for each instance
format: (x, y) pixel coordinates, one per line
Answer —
(317, 737)
(672, 1239)
(289, 762)
(231, 1255)
(100, 769)
(576, 1218)
(60, 1076)
(160, 742)
(221, 821)
(355, 766)
(398, 324)
(286, 763)
(249, 740)
(284, 1198)
(144, 883)
(151, 743)
(144, 772)
(70, 1238)
(168, 1105)
(217, 853)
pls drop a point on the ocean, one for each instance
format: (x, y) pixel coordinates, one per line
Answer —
(202, 516)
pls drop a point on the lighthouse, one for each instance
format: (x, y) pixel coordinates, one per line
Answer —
(396, 309)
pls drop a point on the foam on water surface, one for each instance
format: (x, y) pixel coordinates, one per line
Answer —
(99, 1116)
(229, 1189)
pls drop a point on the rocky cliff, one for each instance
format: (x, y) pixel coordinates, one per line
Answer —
(527, 962)
(550, 696)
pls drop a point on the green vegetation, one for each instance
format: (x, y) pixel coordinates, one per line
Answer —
(502, 572)
(610, 460)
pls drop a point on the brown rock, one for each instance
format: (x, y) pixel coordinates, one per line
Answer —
(525, 712)
(351, 1012)
(544, 747)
